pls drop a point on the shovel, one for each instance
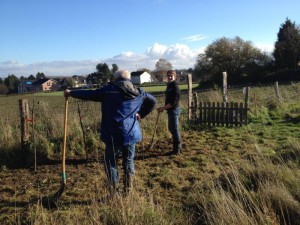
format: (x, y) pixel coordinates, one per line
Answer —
(155, 128)
(51, 202)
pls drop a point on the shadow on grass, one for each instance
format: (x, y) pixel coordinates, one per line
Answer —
(13, 158)
(19, 159)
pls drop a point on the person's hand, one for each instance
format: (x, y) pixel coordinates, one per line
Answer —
(67, 93)
(138, 116)
(160, 109)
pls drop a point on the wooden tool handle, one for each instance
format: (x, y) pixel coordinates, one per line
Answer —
(63, 162)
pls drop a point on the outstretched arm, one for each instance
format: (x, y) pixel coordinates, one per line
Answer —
(91, 95)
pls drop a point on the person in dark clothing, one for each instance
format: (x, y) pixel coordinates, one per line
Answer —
(123, 105)
(172, 98)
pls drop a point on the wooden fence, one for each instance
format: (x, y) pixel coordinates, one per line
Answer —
(219, 113)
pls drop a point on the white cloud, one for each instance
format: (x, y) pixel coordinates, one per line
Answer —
(54, 68)
(180, 56)
(196, 37)
(265, 47)
(156, 50)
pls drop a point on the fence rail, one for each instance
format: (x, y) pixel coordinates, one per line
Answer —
(219, 113)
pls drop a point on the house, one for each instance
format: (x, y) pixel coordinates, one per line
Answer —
(140, 77)
(80, 81)
(91, 81)
(25, 86)
(45, 85)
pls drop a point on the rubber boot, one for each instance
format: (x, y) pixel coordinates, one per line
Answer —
(114, 189)
(177, 148)
(128, 180)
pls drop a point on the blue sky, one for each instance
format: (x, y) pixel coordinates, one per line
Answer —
(67, 37)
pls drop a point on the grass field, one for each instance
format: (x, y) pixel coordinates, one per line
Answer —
(226, 175)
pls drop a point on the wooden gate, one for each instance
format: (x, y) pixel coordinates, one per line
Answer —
(219, 113)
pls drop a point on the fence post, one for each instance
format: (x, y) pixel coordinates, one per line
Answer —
(195, 105)
(278, 96)
(246, 92)
(254, 101)
(201, 106)
(225, 98)
(246, 113)
(190, 96)
(33, 133)
(24, 116)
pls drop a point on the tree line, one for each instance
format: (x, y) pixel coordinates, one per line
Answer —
(243, 62)
(100, 77)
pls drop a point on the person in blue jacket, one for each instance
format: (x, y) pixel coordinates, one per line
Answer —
(123, 105)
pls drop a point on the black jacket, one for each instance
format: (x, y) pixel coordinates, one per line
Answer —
(172, 95)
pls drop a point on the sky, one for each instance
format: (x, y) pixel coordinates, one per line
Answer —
(70, 37)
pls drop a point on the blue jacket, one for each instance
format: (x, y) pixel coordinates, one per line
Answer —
(120, 103)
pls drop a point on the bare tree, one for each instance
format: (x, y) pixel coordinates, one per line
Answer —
(161, 68)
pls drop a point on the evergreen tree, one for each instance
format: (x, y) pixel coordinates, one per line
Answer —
(113, 70)
(287, 46)
(102, 74)
(11, 83)
(31, 77)
(40, 75)
(3, 89)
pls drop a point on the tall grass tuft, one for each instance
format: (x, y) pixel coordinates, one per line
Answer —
(259, 192)
(131, 210)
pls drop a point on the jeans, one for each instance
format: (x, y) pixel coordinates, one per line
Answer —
(111, 161)
(173, 124)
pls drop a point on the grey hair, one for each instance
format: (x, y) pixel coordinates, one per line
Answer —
(122, 74)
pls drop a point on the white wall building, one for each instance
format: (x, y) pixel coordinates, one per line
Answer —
(140, 77)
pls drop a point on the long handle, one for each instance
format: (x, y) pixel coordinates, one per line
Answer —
(156, 125)
(63, 162)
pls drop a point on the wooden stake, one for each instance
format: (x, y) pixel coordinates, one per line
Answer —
(24, 116)
(190, 97)
(225, 97)
(278, 96)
